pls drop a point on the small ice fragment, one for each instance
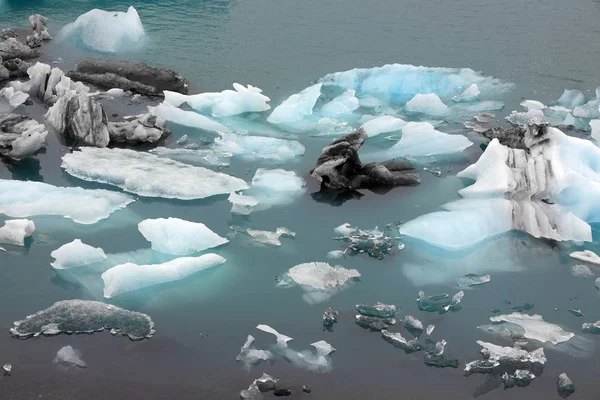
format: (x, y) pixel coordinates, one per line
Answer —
(597, 283)
(441, 303)
(242, 204)
(329, 319)
(576, 312)
(429, 329)
(473, 280)
(520, 378)
(342, 105)
(68, 356)
(7, 368)
(345, 229)
(411, 323)
(182, 140)
(533, 105)
(396, 339)
(15, 231)
(271, 238)
(371, 241)
(564, 386)
(266, 383)
(429, 104)
(3, 249)
(374, 324)
(498, 357)
(536, 328)
(587, 256)
(378, 310)
(485, 117)
(581, 271)
(297, 106)
(469, 94)
(571, 99)
(383, 124)
(76, 254)
(252, 356)
(436, 171)
(591, 327)
(334, 254)
(281, 339)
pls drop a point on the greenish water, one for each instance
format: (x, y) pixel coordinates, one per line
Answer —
(281, 47)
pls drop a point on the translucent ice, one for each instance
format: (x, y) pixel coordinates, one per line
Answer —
(76, 254)
(375, 243)
(15, 231)
(473, 280)
(429, 104)
(527, 118)
(147, 174)
(296, 107)
(595, 126)
(581, 271)
(396, 338)
(531, 105)
(334, 254)
(128, 277)
(344, 104)
(564, 385)
(192, 119)
(241, 204)
(106, 31)
(379, 310)
(252, 356)
(536, 328)
(280, 338)
(571, 99)
(27, 198)
(257, 148)
(329, 318)
(275, 187)
(469, 94)
(83, 316)
(225, 103)
(440, 303)
(383, 124)
(587, 256)
(179, 237)
(317, 360)
(421, 139)
(429, 329)
(589, 109)
(68, 356)
(271, 238)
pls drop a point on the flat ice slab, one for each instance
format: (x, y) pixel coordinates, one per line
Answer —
(76, 254)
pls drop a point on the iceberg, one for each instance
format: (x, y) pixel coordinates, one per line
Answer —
(281, 339)
(270, 238)
(536, 328)
(15, 231)
(378, 310)
(241, 204)
(296, 107)
(591, 327)
(498, 357)
(565, 386)
(344, 104)
(105, 31)
(587, 256)
(252, 356)
(589, 109)
(223, 104)
(469, 94)
(421, 139)
(383, 124)
(192, 119)
(581, 271)
(148, 175)
(429, 104)
(275, 187)
(179, 237)
(396, 339)
(76, 254)
(329, 319)
(265, 383)
(520, 378)
(27, 198)
(375, 243)
(473, 280)
(413, 325)
(84, 316)
(128, 277)
(571, 99)
(28, 143)
(68, 356)
(258, 148)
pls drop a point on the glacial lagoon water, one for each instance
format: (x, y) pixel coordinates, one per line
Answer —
(202, 321)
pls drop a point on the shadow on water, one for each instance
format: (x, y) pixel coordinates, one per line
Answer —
(334, 197)
(25, 170)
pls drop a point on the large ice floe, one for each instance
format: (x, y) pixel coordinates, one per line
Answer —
(148, 175)
(319, 280)
(84, 316)
(179, 237)
(26, 199)
(128, 277)
(76, 254)
(105, 31)
(546, 185)
(15, 231)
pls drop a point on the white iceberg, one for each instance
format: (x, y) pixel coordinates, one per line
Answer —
(421, 139)
(15, 231)
(14, 97)
(148, 175)
(281, 339)
(536, 328)
(225, 103)
(383, 124)
(76, 254)
(192, 119)
(128, 277)
(469, 94)
(344, 104)
(241, 204)
(270, 238)
(429, 104)
(258, 148)
(179, 237)
(297, 106)
(106, 31)
(27, 198)
(587, 256)
(68, 356)
(275, 187)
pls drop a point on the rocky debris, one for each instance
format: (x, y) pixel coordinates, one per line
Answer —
(138, 78)
(339, 167)
(12, 48)
(38, 23)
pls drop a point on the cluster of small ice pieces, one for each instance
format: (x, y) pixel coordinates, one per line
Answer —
(15, 231)
(316, 360)
(67, 356)
(374, 242)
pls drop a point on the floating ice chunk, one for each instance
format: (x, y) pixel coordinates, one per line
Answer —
(4, 250)
(485, 117)
(106, 31)
(281, 339)
(429, 329)
(128, 277)
(76, 254)
(14, 97)
(192, 156)
(275, 187)
(264, 384)
(15, 231)
(536, 328)
(396, 339)
(531, 117)
(581, 271)
(225, 103)
(378, 310)
(374, 324)
(345, 229)
(469, 94)
(329, 318)
(148, 175)
(7, 368)
(335, 254)
(271, 238)
(473, 280)
(413, 324)
(83, 316)
(571, 99)
(241, 204)
(429, 104)
(565, 386)
(595, 126)
(182, 140)
(371, 241)
(68, 356)
(498, 356)
(342, 105)
(591, 327)
(179, 237)
(28, 143)
(253, 148)
(576, 312)
(421, 139)
(587, 256)
(520, 378)
(589, 109)
(434, 356)
(297, 106)
(317, 360)
(531, 105)
(27, 198)
(383, 124)
(192, 119)
(474, 127)
(251, 356)
(440, 303)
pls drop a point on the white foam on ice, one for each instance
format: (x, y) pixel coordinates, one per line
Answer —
(168, 112)
(536, 328)
(421, 139)
(76, 254)
(296, 107)
(128, 277)
(15, 231)
(429, 104)
(27, 198)
(179, 237)
(383, 124)
(148, 175)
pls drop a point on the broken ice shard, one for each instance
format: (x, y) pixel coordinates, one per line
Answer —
(84, 316)
(536, 328)
(329, 319)
(434, 355)
(429, 104)
(373, 241)
(396, 339)
(591, 327)
(271, 238)
(379, 310)
(68, 356)
(498, 357)
(565, 386)
(257, 148)
(76, 254)
(252, 356)
(15, 231)
(374, 324)
(571, 99)
(429, 329)
(273, 187)
(587, 256)
(179, 237)
(148, 175)
(344, 104)
(296, 107)
(413, 325)
(440, 303)
(473, 280)
(7, 368)
(281, 339)
(520, 378)
(265, 383)
(242, 204)
(27, 198)
(127, 277)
